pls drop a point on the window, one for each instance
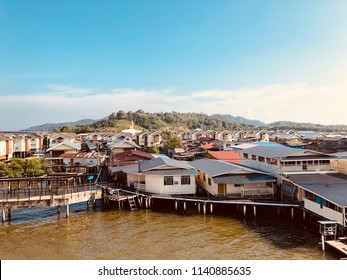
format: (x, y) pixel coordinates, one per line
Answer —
(204, 177)
(254, 157)
(168, 180)
(185, 180)
(261, 159)
(209, 181)
(239, 185)
(245, 155)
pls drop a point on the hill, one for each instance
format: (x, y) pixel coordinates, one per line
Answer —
(240, 119)
(51, 126)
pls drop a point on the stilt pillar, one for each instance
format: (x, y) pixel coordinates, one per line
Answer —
(3, 215)
(204, 208)
(176, 205)
(199, 210)
(244, 210)
(278, 211)
(58, 209)
(184, 207)
(304, 214)
(292, 213)
(211, 208)
(255, 211)
(9, 214)
(323, 242)
(67, 210)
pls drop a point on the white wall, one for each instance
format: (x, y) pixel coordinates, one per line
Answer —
(2, 148)
(155, 184)
(324, 211)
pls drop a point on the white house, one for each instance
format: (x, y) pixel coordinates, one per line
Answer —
(162, 176)
(222, 178)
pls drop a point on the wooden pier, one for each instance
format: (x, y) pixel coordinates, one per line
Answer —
(54, 197)
(339, 245)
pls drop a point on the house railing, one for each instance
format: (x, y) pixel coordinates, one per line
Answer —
(260, 192)
(140, 186)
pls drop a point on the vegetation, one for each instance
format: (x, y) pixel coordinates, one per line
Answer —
(171, 140)
(20, 167)
(161, 121)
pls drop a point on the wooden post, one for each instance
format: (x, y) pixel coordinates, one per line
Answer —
(204, 208)
(292, 213)
(146, 201)
(211, 208)
(244, 210)
(304, 214)
(323, 242)
(9, 214)
(199, 207)
(3, 215)
(67, 211)
(184, 207)
(255, 210)
(176, 205)
(149, 202)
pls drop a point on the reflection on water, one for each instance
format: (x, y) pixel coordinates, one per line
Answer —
(143, 234)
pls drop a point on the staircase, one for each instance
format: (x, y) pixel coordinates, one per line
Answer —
(132, 203)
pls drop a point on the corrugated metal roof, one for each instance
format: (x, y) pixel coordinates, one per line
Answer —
(172, 172)
(332, 187)
(243, 179)
(214, 167)
(272, 152)
(163, 162)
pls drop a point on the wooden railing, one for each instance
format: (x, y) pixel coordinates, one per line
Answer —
(260, 192)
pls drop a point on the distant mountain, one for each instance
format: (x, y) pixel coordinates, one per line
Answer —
(240, 120)
(51, 126)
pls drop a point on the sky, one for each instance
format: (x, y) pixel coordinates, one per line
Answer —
(270, 60)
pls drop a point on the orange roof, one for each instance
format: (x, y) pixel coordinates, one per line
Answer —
(206, 146)
(228, 156)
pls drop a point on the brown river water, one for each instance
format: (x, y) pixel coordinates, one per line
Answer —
(40, 234)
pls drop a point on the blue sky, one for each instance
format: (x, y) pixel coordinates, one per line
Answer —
(267, 60)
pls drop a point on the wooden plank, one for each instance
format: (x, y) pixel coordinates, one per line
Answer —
(342, 247)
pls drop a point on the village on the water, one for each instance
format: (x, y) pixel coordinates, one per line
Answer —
(298, 174)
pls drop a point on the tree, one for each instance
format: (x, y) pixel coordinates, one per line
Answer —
(16, 168)
(35, 167)
(3, 169)
(170, 140)
(153, 150)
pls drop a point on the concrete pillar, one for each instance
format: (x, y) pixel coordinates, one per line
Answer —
(292, 213)
(204, 208)
(176, 205)
(323, 242)
(3, 215)
(244, 210)
(304, 214)
(146, 201)
(211, 208)
(255, 211)
(67, 211)
(149, 202)
(199, 210)
(184, 207)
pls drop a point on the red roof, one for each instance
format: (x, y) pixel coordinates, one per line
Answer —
(228, 156)
(132, 155)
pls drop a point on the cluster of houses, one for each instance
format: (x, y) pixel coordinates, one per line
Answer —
(283, 166)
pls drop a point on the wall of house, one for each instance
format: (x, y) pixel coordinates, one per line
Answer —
(155, 184)
(134, 178)
(324, 211)
(2, 148)
(340, 165)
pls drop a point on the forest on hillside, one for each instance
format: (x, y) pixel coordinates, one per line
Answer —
(159, 121)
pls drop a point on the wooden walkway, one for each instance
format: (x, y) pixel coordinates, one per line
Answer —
(338, 245)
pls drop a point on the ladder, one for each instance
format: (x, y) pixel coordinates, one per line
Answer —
(132, 203)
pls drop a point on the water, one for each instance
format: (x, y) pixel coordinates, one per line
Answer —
(147, 235)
